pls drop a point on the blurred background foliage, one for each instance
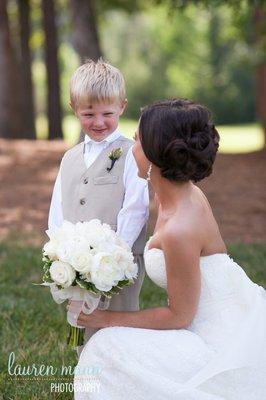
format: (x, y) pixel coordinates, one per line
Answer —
(191, 53)
(211, 51)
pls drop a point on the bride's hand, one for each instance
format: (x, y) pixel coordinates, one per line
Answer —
(97, 319)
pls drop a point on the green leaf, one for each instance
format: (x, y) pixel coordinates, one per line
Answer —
(107, 294)
(47, 277)
(110, 293)
(87, 286)
(125, 282)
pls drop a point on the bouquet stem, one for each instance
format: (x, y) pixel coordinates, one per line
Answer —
(75, 336)
(104, 303)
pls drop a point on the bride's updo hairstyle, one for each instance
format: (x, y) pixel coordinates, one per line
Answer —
(178, 137)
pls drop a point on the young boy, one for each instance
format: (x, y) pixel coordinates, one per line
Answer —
(86, 186)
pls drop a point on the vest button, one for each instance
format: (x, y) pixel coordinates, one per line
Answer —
(85, 181)
(82, 201)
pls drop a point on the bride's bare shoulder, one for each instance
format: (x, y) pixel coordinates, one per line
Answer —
(179, 235)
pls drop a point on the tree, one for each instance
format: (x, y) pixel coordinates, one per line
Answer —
(51, 60)
(257, 9)
(28, 130)
(85, 34)
(85, 16)
(10, 93)
(259, 16)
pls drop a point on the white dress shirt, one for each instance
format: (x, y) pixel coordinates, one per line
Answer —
(135, 209)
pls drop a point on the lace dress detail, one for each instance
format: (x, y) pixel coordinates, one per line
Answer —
(220, 356)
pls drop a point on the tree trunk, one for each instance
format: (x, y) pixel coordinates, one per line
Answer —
(51, 60)
(260, 31)
(10, 93)
(85, 33)
(86, 38)
(26, 77)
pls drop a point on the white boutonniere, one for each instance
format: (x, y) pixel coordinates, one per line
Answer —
(114, 155)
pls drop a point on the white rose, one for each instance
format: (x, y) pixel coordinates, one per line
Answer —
(66, 231)
(122, 243)
(50, 249)
(92, 224)
(79, 239)
(125, 261)
(89, 232)
(108, 232)
(105, 271)
(80, 227)
(100, 285)
(106, 227)
(98, 236)
(82, 262)
(104, 247)
(92, 239)
(131, 271)
(65, 250)
(62, 273)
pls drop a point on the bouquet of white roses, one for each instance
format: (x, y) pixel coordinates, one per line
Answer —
(83, 262)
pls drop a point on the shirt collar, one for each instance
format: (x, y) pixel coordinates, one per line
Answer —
(109, 139)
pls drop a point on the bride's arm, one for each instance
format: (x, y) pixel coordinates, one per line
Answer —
(183, 276)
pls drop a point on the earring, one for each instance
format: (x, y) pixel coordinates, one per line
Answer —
(149, 173)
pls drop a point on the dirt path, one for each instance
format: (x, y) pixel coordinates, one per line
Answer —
(236, 190)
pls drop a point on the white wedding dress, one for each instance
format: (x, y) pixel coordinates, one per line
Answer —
(220, 356)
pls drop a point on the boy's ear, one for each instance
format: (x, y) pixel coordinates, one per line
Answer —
(123, 106)
(72, 107)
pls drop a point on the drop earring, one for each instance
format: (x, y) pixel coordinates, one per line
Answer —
(149, 173)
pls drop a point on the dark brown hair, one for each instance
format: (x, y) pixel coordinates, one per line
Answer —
(179, 137)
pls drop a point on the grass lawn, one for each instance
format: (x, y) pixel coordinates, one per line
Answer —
(234, 138)
(35, 329)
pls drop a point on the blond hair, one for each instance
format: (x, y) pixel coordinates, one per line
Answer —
(96, 82)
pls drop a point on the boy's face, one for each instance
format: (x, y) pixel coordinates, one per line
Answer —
(99, 120)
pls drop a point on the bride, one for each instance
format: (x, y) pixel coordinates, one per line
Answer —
(209, 342)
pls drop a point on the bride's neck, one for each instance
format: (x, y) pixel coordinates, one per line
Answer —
(170, 193)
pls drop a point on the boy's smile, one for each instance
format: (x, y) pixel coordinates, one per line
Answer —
(99, 120)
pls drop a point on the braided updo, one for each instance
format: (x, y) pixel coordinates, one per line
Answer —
(179, 137)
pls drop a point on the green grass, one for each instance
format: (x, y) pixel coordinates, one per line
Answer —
(234, 138)
(31, 326)
(35, 329)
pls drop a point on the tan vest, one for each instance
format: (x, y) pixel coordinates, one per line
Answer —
(94, 192)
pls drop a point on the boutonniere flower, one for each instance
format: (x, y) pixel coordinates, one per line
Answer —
(114, 155)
